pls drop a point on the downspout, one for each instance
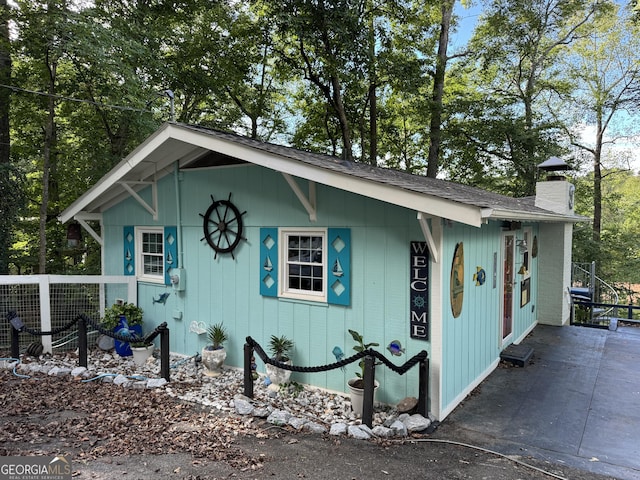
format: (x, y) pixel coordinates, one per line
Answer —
(176, 181)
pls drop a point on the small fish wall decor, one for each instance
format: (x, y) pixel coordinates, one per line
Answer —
(480, 276)
(395, 347)
(338, 353)
(162, 298)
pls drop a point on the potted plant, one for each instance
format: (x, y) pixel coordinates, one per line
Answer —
(280, 348)
(356, 385)
(141, 351)
(125, 319)
(213, 355)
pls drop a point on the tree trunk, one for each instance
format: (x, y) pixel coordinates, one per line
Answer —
(7, 206)
(435, 127)
(373, 99)
(597, 183)
(49, 161)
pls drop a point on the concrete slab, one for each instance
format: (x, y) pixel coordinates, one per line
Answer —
(577, 402)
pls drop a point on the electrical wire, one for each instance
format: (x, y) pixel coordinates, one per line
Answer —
(491, 452)
(72, 99)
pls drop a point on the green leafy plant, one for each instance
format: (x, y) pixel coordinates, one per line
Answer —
(217, 335)
(361, 347)
(132, 312)
(280, 347)
(292, 389)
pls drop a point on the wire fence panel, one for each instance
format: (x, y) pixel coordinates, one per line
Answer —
(49, 302)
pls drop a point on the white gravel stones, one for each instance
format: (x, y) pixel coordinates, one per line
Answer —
(414, 423)
(242, 406)
(359, 433)
(338, 429)
(279, 417)
(304, 409)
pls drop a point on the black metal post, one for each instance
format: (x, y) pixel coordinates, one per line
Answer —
(164, 351)
(248, 374)
(423, 388)
(82, 342)
(369, 380)
(15, 342)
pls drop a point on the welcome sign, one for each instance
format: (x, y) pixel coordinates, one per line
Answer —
(419, 290)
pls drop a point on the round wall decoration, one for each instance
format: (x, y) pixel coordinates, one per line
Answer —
(222, 226)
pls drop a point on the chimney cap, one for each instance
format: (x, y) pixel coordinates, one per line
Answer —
(553, 164)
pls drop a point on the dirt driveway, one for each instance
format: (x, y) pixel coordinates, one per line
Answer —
(110, 432)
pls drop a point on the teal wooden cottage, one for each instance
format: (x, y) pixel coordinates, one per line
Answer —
(275, 241)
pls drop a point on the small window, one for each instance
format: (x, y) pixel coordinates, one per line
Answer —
(303, 267)
(150, 248)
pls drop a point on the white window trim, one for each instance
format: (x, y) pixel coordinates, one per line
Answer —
(140, 275)
(283, 282)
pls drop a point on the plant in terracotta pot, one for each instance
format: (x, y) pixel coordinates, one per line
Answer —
(214, 354)
(280, 348)
(123, 319)
(356, 385)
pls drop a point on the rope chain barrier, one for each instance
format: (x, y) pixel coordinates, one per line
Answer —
(401, 370)
(116, 336)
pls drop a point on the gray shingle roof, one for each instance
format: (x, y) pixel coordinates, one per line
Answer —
(455, 192)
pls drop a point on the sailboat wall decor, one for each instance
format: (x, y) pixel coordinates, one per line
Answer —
(337, 269)
(268, 266)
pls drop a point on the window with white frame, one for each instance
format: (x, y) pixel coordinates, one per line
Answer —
(150, 254)
(303, 264)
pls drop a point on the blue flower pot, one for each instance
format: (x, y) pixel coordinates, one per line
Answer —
(123, 328)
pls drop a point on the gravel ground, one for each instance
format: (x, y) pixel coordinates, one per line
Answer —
(109, 431)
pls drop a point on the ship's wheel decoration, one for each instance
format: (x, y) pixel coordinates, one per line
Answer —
(222, 226)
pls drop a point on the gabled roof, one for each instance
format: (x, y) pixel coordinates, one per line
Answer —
(198, 147)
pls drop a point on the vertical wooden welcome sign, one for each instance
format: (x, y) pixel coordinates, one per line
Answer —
(419, 291)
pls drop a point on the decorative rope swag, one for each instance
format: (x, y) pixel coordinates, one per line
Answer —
(370, 356)
(83, 320)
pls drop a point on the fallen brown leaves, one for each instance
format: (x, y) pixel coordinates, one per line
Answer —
(50, 415)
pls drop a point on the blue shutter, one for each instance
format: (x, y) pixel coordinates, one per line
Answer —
(129, 250)
(339, 266)
(170, 252)
(269, 262)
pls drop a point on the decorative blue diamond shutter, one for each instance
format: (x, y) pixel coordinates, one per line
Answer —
(170, 252)
(339, 266)
(129, 250)
(269, 262)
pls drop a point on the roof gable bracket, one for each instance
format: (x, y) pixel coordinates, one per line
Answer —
(82, 218)
(152, 209)
(308, 203)
(426, 231)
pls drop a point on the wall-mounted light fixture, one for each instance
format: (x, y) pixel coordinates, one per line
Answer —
(522, 246)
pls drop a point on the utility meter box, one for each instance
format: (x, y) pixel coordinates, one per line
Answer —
(178, 279)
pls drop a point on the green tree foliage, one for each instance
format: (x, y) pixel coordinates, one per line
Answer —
(504, 120)
(617, 251)
(604, 65)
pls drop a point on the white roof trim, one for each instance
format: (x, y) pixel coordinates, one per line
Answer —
(172, 142)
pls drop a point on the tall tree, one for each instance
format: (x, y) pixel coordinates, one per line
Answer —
(605, 66)
(517, 44)
(8, 190)
(435, 127)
